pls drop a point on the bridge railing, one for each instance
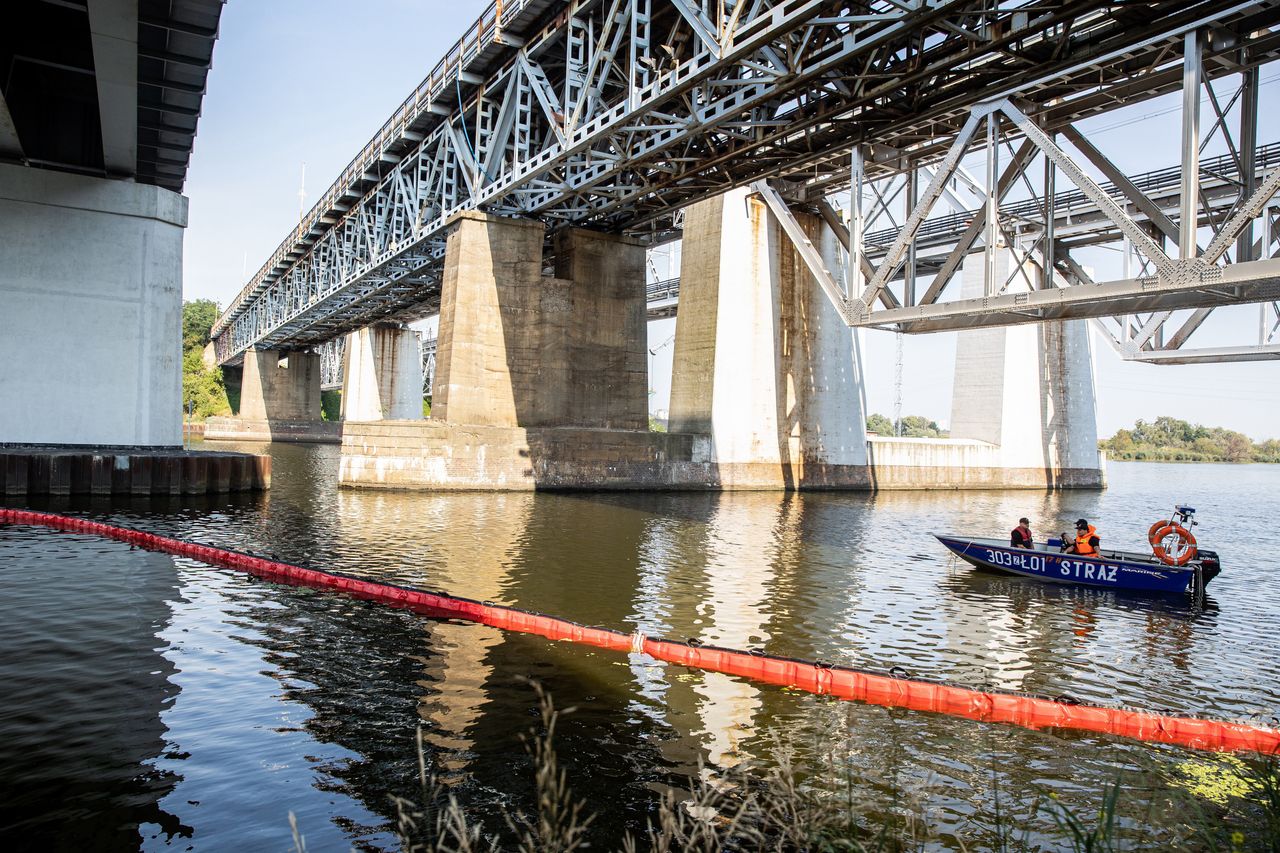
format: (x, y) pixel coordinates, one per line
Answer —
(666, 289)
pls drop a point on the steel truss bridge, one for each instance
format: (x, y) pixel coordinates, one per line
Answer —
(1078, 224)
(615, 114)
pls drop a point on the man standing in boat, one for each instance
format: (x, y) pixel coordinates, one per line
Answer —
(1020, 536)
(1087, 540)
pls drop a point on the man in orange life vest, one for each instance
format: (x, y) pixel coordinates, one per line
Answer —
(1087, 541)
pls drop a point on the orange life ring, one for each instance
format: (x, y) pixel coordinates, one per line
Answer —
(1152, 538)
(1174, 554)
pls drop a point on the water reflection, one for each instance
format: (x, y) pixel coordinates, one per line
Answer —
(85, 685)
(269, 699)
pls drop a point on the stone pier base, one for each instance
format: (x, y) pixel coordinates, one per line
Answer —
(260, 429)
(433, 455)
(28, 470)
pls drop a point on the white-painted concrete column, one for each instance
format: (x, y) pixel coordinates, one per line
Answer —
(90, 310)
(1027, 389)
(763, 363)
(382, 375)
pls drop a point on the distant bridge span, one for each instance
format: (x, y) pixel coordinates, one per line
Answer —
(617, 113)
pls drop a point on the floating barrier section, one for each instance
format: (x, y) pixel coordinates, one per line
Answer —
(1018, 709)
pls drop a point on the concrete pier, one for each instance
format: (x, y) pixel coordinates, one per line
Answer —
(90, 328)
(382, 375)
(517, 348)
(1028, 390)
(540, 380)
(279, 401)
(763, 363)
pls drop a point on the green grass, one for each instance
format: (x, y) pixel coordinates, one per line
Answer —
(1232, 806)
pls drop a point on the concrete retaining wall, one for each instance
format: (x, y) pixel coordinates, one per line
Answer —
(956, 463)
(243, 429)
(436, 455)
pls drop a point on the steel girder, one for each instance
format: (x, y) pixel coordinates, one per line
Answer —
(616, 113)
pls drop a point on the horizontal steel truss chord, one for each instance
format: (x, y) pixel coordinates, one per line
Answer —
(616, 113)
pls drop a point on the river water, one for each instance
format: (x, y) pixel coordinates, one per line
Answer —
(152, 702)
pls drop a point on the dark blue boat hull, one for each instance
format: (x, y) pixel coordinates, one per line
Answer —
(1110, 571)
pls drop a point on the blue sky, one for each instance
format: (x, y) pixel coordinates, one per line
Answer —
(310, 82)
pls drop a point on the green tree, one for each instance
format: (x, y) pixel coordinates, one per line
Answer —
(198, 317)
(917, 426)
(202, 389)
(1238, 448)
(880, 425)
(1168, 438)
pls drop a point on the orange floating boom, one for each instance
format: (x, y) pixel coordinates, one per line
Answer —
(1032, 712)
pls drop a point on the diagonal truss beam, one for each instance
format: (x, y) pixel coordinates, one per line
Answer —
(893, 258)
(1250, 209)
(1087, 185)
(1136, 197)
(803, 245)
(949, 267)
(702, 28)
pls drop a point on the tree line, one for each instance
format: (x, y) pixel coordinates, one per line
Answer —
(1168, 439)
(910, 426)
(202, 388)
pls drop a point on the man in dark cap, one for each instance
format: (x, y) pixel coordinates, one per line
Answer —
(1020, 536)
(1087, 540)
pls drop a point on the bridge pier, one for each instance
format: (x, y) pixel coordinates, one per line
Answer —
(1023, 409)
(1028, 389)
(763, 363)
(382, 375)
(90, 330)
(519, 349)
(540, 380)
(279, 401)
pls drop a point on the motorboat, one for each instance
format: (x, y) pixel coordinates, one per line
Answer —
(1176, 563)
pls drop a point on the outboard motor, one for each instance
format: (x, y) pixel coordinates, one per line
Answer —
(1210, 565)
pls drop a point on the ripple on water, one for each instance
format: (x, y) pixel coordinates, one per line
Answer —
(203, 706)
